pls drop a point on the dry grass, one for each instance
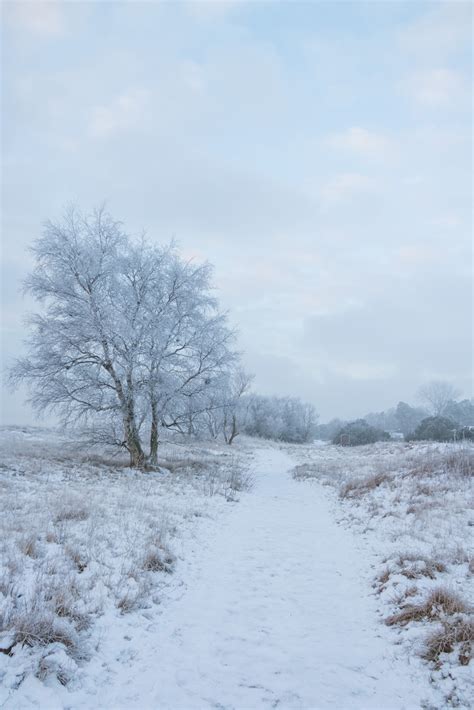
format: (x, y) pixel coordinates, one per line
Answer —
(416, 566)
(28, 545)
(455, 460)
(383, 578)
(460, 462)
(186, 464)
(66, 606)
(158, 559)
(358, 487)
(80, 558)
(439, 603)
(237, 481)
(35, 628)
(304, 471)
(456, 635)
(71, 510)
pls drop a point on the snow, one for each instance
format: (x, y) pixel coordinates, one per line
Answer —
(270, 605)
(278, 616)
(411, 504)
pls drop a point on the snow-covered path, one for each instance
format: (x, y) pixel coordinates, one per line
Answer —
(280, 615)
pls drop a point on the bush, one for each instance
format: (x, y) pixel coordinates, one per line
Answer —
(358, 433)
(466, 434)
(434, 429)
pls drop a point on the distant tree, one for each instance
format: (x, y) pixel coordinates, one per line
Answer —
(280, 418)
(359, 432)
(263, 417)
(327, 431)
(237, 385)
(461, 412)
(224, 411)
(437, 395)
(407, 417)
(434, 429)
(385, 420)
(465, 434)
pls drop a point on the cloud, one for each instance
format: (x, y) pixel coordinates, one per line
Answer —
(441, 31)
(417, 256)
(437, 88)
(210, 10)
(408, 327)
(360, 141)
(126, 111)
(345, 186)
(193, 76)
(45, 19)
(366, 371)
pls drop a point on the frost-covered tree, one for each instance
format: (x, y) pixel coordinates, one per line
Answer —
(281, 418)
(461, 412)
(382, 420)
(436, 395)
(233, 406)
(327, 431)
(187, 345)
(128, 333)
(359, 432)
(407, 417)
(222, 409)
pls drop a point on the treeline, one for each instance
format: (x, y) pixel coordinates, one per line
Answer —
(277, 418)
(441, 422)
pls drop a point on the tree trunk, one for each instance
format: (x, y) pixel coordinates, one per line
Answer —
(137, 457)
(234, 431)
(132, 437)
(190, 424)
(153, 458)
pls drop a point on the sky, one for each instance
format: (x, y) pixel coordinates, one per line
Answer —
(317, 153)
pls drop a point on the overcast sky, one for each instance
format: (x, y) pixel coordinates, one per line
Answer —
(317, 153)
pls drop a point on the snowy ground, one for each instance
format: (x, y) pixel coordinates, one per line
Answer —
(88, 547)
(262, 603)
(413, 506)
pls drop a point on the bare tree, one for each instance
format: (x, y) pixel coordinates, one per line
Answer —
(237, 386)
(437, 395)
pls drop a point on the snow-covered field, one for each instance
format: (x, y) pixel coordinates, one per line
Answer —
(193, 589)
(89, 548)
(413, 504)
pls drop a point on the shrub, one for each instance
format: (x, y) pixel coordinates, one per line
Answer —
(466, 434)
(358, 433)
(434, 429)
